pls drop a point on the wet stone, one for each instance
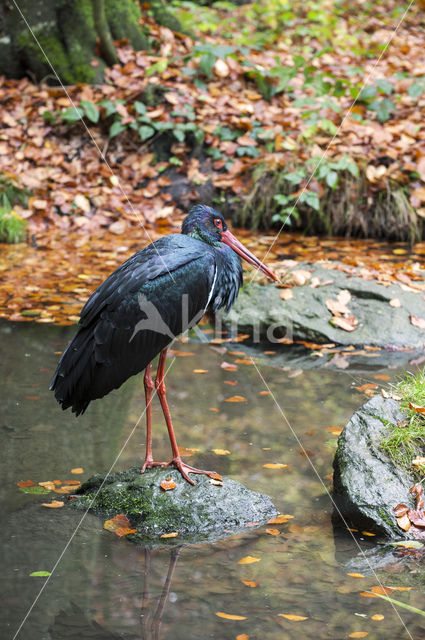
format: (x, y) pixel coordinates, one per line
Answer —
(203, 512)
(367, 484)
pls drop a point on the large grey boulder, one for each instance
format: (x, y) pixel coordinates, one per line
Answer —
(260, 310)
(367, 484)
(198, 513)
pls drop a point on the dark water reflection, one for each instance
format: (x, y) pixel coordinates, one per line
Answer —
(105, 587)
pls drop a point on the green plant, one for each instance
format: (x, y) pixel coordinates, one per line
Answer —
(12, 226)
(406, 441)
(375, 98)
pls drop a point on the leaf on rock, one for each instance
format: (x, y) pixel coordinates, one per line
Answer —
(173, 534)
(404, 522)
(416, 321)
(118, 524)
(417, 517)
(347, 324)
(395, 302)
(400, 510)
(286, 294)
(168, 484)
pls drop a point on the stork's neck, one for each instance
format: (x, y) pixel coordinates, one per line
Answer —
(204, 236)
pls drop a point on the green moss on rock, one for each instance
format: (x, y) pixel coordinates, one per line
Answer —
(199, 513)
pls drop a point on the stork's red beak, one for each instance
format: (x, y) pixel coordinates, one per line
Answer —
(229, 239)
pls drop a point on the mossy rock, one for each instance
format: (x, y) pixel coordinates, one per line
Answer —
(203, 512)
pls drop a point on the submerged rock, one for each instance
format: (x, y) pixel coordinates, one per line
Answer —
(367, 484)
(198, 513)
(260, 311)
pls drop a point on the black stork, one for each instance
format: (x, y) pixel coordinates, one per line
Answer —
(141, 307)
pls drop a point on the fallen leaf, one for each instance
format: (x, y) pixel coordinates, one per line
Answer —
(292, 616)
(416, 517)
(417, 408)
(408, 544)
(242, 636)
(347, 324)
(228, 366)
(168, 484)
(377, 617)
(395, 302)
(400, 510)
(77, 470)
(124, 531)
(280, 519)
(174, 534)
(404, 522)
(229, 616)
(48, 485)
(40, 574)
(339, 307)
(250, 583)
(217, 483)
(248, 560)
(286, 294)
(273, 532)
(118, 522)
(358, 634)
(200, 371)
(381, 590)
(264, 393)
(335, 430)
(418, 462)
(416, 321)
(26, 483)
(275, 465)
(54, 504)
(235, 399)
(221, 452)
(368, 533)
(355, 575)
(367, 594)
(366, 386)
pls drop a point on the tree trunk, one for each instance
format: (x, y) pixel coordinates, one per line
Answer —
(66, 31)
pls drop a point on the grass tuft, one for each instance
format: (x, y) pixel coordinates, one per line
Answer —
(406, 441)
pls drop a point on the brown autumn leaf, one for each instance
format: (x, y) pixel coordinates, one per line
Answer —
(348, 323)
(280, 519)
(416, 321)
(54, 504)
(339, 307)
(335, 430)
(168, 484)
(235, 399)
(293, 617)
(264, 393)
(221, 452)
(48, 485)
(273, 532)
(77, 470)
(26, 483)
(242, 636)
(355, 575)
(400, 510)
(417, 408)
(377, 617)
(248, 560)
(200, 371)
(358, 634)
(286, 294)
(404, 522)
(120, 521)
(367, 594)
(229, 616)
(250, 583)
(416, 517)
(364, 387)
(173, 534)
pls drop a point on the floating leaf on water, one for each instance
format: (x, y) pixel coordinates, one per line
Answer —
(77, 470)
(221, 452)
(40, 574)
(228, 366)
(273, 532)
(200, 371)
(358, 634)
(34, 490)
(48, 485)
(242, 636)
(26, 483)
(235, 399)
(250, 583)
(293, 617)
(408, 544)
(54, 504)
(275, 465)
(381, 590)
(377, 617)
(229, 616)
(355, 575)
(119, 524)
(280, 519)
(248, 560)
(368, 533)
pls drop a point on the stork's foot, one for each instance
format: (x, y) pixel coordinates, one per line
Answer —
(185, 469)
(149, 463)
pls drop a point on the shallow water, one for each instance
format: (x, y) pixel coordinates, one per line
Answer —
(104, 587)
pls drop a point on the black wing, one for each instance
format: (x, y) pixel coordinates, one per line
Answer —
(132, 316)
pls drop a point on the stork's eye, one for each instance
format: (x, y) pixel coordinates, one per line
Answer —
(218, 223)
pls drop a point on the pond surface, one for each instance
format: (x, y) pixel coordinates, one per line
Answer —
(104, 587)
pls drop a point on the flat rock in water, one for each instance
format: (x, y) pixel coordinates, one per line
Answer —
(203, 512)
(259, 309)
(367, 484)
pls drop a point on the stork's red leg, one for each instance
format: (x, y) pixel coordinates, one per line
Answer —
(149, 387)
(176, 461)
